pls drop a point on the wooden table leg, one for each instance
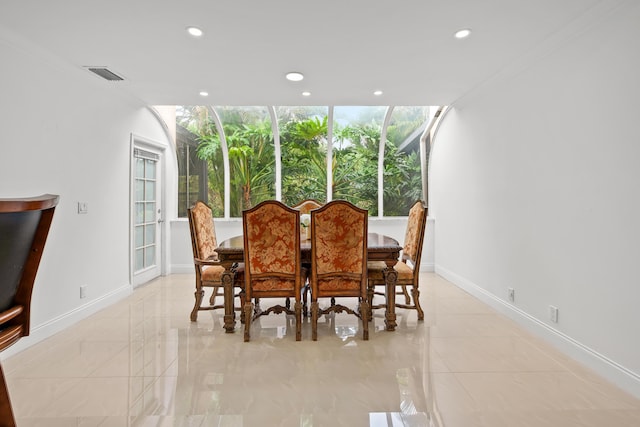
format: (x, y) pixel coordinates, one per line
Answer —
(228, 278)
(390, 280)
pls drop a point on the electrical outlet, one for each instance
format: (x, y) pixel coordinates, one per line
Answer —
(553, 313)
(83, 207)
(83, 291)
(512, 294)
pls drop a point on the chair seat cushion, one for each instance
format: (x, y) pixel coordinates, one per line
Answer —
(375, 268)
(212, 273)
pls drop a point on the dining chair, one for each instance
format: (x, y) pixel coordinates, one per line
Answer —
(339, 261)
(24, 227)
(271, 233)
(305, 207)
(209, 271)
(408, 267)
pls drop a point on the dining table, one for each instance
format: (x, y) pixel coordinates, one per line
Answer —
(380, 247)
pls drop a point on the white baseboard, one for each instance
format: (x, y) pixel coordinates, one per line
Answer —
(57, 324)
(609, 369)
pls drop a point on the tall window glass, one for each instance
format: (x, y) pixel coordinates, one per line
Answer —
(249, 139)
(303, 141)
(402, 177)
(356, 139)
(200, 161)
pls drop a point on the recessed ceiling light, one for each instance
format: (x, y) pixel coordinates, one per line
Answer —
(306, 93)
(203, 93)
(377, 93)
(463, 33)
(294, 76)
(195, 31)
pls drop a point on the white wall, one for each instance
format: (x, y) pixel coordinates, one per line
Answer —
(535, 184)
(66, 132)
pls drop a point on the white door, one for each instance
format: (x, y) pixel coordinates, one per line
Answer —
(146, 212)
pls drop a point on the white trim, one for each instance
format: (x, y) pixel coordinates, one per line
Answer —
(225, 161)
(612, 371)
(65, 320)
(381, 147)
(165, 128)
(330, 153)
(275, 130)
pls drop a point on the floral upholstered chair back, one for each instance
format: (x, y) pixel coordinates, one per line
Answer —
(414, 235)
(339, 247)
(203, 231)
(271, 233)
(306, 206)
(339, 261)
(272, 247)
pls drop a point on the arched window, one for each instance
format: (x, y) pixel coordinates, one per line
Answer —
(236, 157)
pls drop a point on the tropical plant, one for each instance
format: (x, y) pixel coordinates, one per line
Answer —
(303, 142)
(304, 160)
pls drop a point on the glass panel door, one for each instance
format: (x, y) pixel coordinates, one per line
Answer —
(146, 216)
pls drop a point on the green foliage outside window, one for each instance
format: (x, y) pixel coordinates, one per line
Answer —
(303, 140)
(304, 160)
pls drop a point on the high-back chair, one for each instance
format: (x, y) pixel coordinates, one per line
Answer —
(339, 261)
(271, 232)
(306, 206)
(209, 271)
(408, 267)
(24, 227)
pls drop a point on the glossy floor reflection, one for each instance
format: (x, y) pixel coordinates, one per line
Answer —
(141, 362)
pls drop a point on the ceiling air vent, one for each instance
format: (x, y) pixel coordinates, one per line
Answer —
(105, 73)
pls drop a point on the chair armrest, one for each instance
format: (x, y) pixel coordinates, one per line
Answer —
(208, 261)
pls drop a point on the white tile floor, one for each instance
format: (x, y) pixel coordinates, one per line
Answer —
(141, 362)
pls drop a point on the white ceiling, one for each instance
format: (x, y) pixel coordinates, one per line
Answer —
(346, 48)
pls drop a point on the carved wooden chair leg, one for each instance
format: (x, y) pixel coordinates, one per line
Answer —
(199, 294)
(370, 290)
(406, 294)
(298, 310)
(212, 300)
(416, 301)
(314, 320)
(241, 297)
(364, 315)
(305, 308)
(248, 318)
